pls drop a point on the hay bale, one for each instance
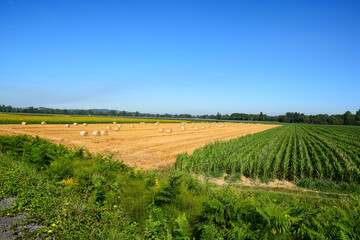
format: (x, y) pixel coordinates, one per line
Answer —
(119, 125)
(168, 131)
(196, 129)
(67, 125)
(114, 122)
(192, 125)
(96, 133)
(85, 124)
(131, 125)
(24, 123)
(83, 133)
(157, 124)
(183, 129)
(43, 123)
(108, 128)
(160, 130)
(202, 128)
(104, 133)
(117, 129)
(75, 124)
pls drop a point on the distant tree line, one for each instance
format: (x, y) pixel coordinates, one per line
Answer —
(338, 119)
(294, 117)
(290, 117)
(98, 112)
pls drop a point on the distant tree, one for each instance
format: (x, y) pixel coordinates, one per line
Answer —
(225, 117)
(289, 117)
(261, 117)
(349, 118)
(282, 118)
(113, 113)
(218, 116)
(335, 120)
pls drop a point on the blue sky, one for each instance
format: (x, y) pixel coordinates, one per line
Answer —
(186, 56)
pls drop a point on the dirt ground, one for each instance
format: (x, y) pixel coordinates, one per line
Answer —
(141, 145)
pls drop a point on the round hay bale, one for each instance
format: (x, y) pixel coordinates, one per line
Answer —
(24, 123)
(75, 124)
(117, 129)
(119, 125)
(67, 125)
(157, 124)
(96, 133)
(104, 133)
(202, 128)
(160, 130)
(131, 126)
(83, 133)
(108, 128)
(168, 131)
(85, 124)
(196, 129)
(114, 122)
(43, 123)
(192, 125)
(183, 129)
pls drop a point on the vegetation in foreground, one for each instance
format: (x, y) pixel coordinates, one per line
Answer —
(78, 195)
(55, 119)
(313, 156)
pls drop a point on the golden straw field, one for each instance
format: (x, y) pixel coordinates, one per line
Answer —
(142, 145)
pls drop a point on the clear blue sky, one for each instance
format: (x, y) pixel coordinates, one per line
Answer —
(186, 56)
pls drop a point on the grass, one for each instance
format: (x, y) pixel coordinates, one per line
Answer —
(78, 195)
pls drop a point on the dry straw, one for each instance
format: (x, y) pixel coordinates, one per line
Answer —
(96, 133)
(83, 133)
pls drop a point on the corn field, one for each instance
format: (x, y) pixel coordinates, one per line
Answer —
(290, 152)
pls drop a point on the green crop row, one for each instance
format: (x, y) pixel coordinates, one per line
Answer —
(290, 152)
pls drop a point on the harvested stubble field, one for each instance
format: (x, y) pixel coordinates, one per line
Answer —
(141, 145)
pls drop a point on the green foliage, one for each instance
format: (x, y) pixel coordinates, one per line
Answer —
(183, 228)
(169, 191)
